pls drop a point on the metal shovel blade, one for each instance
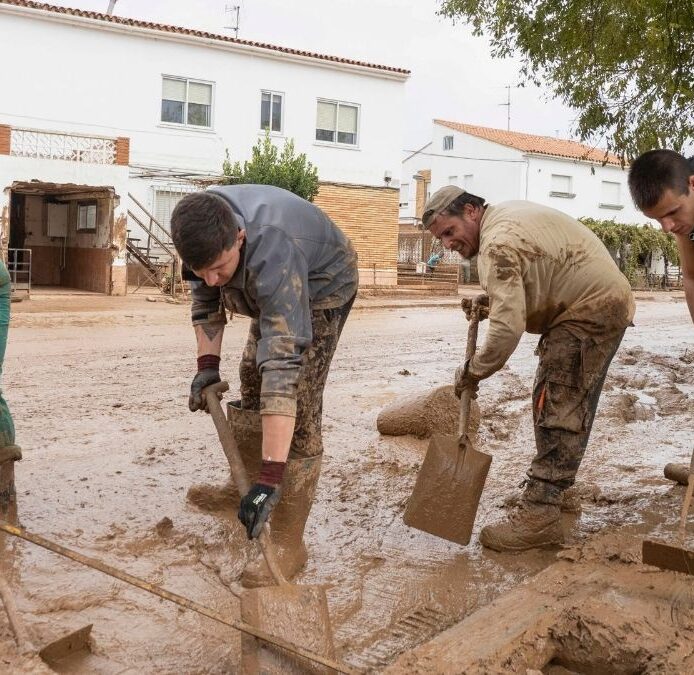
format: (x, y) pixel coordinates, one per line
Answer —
(667, 556)
(448, 490)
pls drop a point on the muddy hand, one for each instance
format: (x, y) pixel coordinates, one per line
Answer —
(482, 302)
(203, 378)
(256, 506)
(463, 380)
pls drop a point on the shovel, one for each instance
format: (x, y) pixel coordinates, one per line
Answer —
(670, 557)
(299, 614)
(55, 653)
(449, 485)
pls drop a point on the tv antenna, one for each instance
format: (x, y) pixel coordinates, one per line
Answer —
(508, 107)
(234, 11)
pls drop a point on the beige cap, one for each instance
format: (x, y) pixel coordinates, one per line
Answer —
(439, 201)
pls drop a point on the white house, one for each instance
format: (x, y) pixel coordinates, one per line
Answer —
(127, 115)
(500, 165)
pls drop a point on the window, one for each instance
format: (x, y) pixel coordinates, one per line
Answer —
(404, 194)
(561, 186)
(271, 111)
(165, 201)
(86, 217)
(467, 181)
(186, 102)
(337, 122)
(610, 195)
(453, 180)
(448, 142)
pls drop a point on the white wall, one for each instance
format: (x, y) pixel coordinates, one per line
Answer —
(108, 82)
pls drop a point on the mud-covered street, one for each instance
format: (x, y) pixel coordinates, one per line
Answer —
(99, 398)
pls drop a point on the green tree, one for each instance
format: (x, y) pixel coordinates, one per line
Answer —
(269, 166)
(626, 66)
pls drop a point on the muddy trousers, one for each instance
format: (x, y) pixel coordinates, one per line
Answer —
(326, 326)
(568, 383)
(6, 423)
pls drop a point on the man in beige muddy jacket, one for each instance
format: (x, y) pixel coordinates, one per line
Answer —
(544, 273)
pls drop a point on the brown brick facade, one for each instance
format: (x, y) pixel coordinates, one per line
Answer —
(369, 217)
(5, 137)
(423, 181)
(123, 150)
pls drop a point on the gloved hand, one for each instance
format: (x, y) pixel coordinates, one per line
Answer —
(463, 380)
(482, 303)
(208, 373)
(256, 506)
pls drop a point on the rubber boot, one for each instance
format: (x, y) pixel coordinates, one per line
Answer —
(530, 525)
(287, 523)
(248, 433)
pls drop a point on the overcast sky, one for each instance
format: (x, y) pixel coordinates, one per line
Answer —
(453, 74)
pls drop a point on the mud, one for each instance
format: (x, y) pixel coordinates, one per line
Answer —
(421, 415)
(116, 451)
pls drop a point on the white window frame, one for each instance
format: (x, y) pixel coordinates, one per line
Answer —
(448, 142)
(184, 124)
(557, 193)
(84, 208)
(335, 143)
(453, 180)
(404, 188)
(468, 179)
(272, 93)
(618, 206)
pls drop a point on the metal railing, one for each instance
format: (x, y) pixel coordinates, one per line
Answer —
(70, 147)
(19, 267)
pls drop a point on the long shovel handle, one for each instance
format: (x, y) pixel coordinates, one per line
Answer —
(687, 499)
(18, 628)
(466, 396)
(238, 471)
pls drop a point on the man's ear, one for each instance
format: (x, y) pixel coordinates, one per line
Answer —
(240, 238)
(691, 182)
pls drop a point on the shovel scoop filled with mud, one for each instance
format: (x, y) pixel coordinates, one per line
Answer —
(449, 485)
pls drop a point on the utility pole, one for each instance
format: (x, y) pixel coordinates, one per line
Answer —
(508, 107)
(111, 5)
(234, 10)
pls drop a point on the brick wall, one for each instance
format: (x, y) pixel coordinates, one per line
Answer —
(123, 150)
(422, 189)
(369, 217)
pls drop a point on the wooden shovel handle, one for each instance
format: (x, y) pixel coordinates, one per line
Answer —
(687, 499)
(466, 395)
(238, 471)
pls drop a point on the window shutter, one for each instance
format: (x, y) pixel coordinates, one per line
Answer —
(326, 116)
(173, 90)
(347, 121)
(610, 193)
(199, 93)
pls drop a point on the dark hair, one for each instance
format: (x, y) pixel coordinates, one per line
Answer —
(202, 226)
(455, 208)
(656, 171)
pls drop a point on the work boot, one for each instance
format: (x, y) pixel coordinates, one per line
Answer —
(531, 525)
(248, 432)
(570, 500)
(287, 523)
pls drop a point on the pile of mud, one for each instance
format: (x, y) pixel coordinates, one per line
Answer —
(436, 411)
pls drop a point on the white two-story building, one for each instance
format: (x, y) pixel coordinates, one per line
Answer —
(501, 165)
(107, 121)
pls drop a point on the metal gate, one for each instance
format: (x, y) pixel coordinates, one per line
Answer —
(19, 267)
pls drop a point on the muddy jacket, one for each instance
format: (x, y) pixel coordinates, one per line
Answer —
(541, 269)
(294, 260)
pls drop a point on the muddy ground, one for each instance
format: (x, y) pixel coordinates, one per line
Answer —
(99, 392)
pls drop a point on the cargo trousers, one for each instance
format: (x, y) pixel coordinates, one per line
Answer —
(326, 325)
(568, 383)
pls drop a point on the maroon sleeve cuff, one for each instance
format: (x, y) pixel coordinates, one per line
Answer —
(271, 473)
(208, 362)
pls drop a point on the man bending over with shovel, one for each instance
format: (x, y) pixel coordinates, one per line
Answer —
(544, 273)
(266, 253)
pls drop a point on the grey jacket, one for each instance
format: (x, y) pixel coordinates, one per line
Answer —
(294, 260)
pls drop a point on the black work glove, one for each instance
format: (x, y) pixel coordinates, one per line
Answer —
(208, 373)
(256, 506)
(463, 380)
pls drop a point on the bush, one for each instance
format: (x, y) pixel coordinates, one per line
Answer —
(268, 166)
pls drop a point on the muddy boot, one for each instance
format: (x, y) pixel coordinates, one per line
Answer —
(531, 525)
(247, 429)
(287, 523)
(570, 500)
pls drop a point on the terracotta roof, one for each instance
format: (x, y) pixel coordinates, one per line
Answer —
(536, 145)
(195, 33)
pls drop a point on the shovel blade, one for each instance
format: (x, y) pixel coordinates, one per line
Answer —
(297, 614)
(667, 557)
(448, 490)
(68, 648)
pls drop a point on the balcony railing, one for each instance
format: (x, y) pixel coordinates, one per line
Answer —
(69, 147)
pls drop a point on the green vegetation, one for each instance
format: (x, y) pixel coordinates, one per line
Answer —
(269, 166)
(634, 243)
(626, 66)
